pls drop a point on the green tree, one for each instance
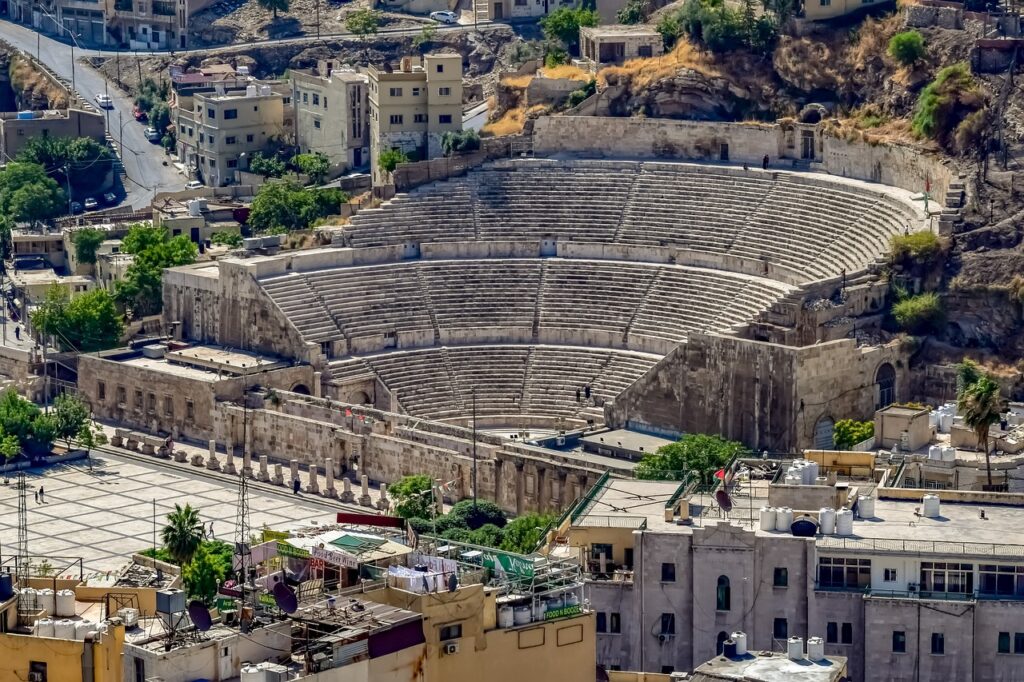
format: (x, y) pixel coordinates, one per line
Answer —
(183, 533)
(473, 516)
(203, 575)
(44, 432)
(86, 323)
(275, 6)
(564, 25)
(413, 498)
(160, 117)
(694, 452)
(315, 165)
(459, 141)
(487, 535)
(849, 432)
(278, 204)
(634, 12)
(9, 447)
(267, 166)
(86, 241)
(81, 160)
(17, 416)
(227, 238)
(907, 48)
(363, 21)
(38, 202)
(425, 38)
(141, 289)
(71, 416)
(980, 405)
(523, 534)
(669, 27)
(967, 373)
(390, 158)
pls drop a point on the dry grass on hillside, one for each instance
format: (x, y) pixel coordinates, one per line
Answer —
(511, 123)
(567, 71)
(641, 72)
(25, 78)
(519, 82)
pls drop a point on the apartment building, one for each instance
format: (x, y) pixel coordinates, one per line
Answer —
(332, 113)
(904, 583)
(413, 106)
(220, 128)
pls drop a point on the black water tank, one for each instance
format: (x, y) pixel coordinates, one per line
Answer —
(730, 649)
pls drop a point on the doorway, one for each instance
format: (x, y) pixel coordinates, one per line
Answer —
(807, 144)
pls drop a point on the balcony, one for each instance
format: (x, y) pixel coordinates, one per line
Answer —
(883, 546)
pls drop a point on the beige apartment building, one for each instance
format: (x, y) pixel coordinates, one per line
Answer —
(413, 106)
(332, 113)
(220, 128)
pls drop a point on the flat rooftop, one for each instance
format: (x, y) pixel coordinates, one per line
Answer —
(633, 441)
(220, 358)
(629, 503)
(614, 30)
(776, 668)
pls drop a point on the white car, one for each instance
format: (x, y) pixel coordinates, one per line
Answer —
(193, 184)
(445, 17)
(104, 101)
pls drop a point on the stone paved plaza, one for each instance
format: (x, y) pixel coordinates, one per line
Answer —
(105, 514)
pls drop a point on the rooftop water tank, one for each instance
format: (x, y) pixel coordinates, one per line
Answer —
(26, 115)
(844, 522)
(265, 90)
(795, 648)
(866, 507)
(783, 519)
(6, 586)
(931, 506)
(65, 603)
(505, 617)
(251, 90)
(84, 627)
(948, 454)
(28, 599)
(64, 629)
(816, 648)
(741, 642)
(935, 452)
(729, 648)
(827, 520)
(521, 615)
(43, 627)
(46, 602)
(767, 518)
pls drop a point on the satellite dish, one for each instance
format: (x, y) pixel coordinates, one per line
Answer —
(723, 500)
(199, 615)
(285, 598)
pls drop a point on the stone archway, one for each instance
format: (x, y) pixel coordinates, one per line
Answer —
(824, 433)
(885, 378)
(301, 389)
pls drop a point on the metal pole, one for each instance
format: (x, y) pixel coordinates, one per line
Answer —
(74, 90)
(318, 19)
(154, 525)
(474, 447)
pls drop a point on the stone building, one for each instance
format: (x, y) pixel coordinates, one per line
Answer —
(332, 113)
(897, 593)
(411, 107)
(616, 43)
(16, 128)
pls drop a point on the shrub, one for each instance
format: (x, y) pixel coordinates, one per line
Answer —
(918, 248)
(475, 517)
(907, 48)
(460, 141)
(232, 239)
(920, 314)
(556, 56)
(564, 24)
(363, 21)
(945, 102)
(669, 27)
(577, 96)
(634, 12)
(390, 158)
(694, 452)
(849, 432)
(970, 133)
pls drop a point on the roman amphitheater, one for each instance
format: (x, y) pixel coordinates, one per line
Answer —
(660, 288)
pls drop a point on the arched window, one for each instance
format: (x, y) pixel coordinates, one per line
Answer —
(723, 600)
(824, 434)
(886, 380)
(720, 642)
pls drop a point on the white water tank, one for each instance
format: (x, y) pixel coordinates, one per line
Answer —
(812, 467)
(28, 599)
(129, 616)
(521, 615)
(84, 627)
(46, 602)
(505, 618)
(935, 452)
(827, 520)
(767, 515)
(866, 506)
(43, 628)
(65, 603)
(948, 454)
(931, 506)
(945, 423)
(783, 519)
(540, 607)
(816, 648)
(251, 90)
(844, 522)
(741, 642)
(795, 648)
(793, 479)
(251, 672)
(64, 629)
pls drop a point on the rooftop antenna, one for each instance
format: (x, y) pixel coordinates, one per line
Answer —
(22, 565)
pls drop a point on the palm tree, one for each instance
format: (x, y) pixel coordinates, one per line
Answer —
(980, 404)
(183, 533)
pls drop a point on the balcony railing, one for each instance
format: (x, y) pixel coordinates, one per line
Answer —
(977, 595)
(920, 546)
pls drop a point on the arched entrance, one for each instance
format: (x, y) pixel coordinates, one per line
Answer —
(885, 377)
(720, 642)
(824, 434)
(301, 389)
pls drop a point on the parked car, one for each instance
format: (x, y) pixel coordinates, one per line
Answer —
(445, 17)
(76, 207)
(140, 115)
(110, 198)
(153, 135)
(193, 184)
(105, 101)
(91, 204)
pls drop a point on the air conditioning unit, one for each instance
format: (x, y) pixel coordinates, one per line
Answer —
(36, 677)
(451, 648)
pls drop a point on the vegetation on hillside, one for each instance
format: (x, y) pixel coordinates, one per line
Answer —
(364, 21)
(86, 241)
(919, 313)
(285, 206)
(81, 161)
(907, 48)
(28, 194)
(921, 249)
(268, 166)
(948, 110)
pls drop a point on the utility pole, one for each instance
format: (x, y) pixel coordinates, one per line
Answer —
(74, 90)
(474, 447)
(318, 19)
(67, 179)
(154, 525)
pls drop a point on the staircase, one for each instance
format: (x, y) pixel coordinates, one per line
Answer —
(541, 286)
(627, 204)
(421, 282)
(640, 304)
(524, 400)
(453, 379)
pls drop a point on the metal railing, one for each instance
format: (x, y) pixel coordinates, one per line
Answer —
(603, 521)
(920, 546)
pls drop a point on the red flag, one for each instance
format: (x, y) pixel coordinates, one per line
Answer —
(720, 473)
(348, 412)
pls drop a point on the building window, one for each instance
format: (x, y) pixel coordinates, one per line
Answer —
(832, 632)
(889, 575)
(1001, 580)
(947, 577)
(938, 643)
(825, 3)
(668, 623)
(211, 139)
(287, 101)
(151, 403)
(210, 112)
(419, 118)
(444, 92)
(190, 409)
(451, 631)
(191, 132)
(230, 139)
(168, 406)
(395, 92)
(121, 399)
(316, 124)
(844, 573)
(1003, 645)
(780, 629)
(202, 137)
(232, 163)
(1018, 643)
(138, 400)
(316, 99)
(847, 633)
(667, 669)
(614, 623)
(668, 572)
(396, 119)
(181, 129)
(444, 118)
(416, 92)
(899, 642)
(780, 577)
(723, 595)
(440, 68)
(305, 98)
(599, 550)
(248, 138)
(325, 101)
(101, 390)
(37, 670)
(601, 625)
(230, 113)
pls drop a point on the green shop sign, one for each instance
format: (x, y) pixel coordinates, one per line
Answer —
(285, 549)
(563, 612)
(510, 564)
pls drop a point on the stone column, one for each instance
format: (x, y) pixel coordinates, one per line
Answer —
(212, 464)
(562, 489)
(383, 502)
(263, 475)
(329, 490)
(346, 491)
(229, 461)
(247, 463)
(278, 475)
(542, 492)
(317, 388)
(364, 497)
(520, 487)
(314, 483)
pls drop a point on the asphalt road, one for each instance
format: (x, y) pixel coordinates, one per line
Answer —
(143, 160)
